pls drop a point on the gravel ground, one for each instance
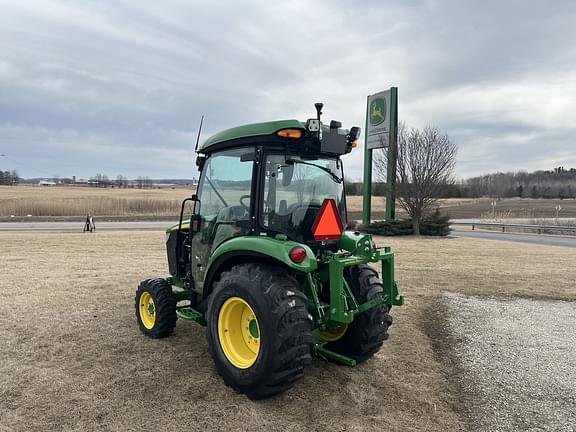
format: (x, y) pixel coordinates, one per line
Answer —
(516, 360)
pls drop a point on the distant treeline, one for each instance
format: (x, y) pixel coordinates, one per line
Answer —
(8, 178)
(103, 181)
(557, 183)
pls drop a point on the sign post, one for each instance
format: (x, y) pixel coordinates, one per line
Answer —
(381, 132)
(392, 157)
(367, 185)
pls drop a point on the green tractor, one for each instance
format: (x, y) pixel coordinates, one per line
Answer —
(264, 260)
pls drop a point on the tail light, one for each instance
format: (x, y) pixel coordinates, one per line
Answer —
(297, 254)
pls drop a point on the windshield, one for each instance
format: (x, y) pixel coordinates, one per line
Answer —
(294, 191)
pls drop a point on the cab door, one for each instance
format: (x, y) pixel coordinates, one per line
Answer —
(225, 198)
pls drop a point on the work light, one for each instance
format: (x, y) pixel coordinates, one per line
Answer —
(313, 125)
(354, 134)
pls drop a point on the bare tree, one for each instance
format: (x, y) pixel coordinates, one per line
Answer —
(425, 164)
(299, 177)
(121, 181)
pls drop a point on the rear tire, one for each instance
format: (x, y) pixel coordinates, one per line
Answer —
(366, 334)
(271, 298)
(155, 308)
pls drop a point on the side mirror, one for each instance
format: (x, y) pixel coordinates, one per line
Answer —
(196, 201)
(195, 223)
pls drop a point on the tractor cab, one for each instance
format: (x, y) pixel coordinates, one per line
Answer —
(269, 179)
(265, 261)
(268, 188)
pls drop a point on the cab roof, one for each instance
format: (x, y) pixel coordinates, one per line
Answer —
(249, 130)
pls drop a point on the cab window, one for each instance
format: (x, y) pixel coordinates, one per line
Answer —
(224, 194)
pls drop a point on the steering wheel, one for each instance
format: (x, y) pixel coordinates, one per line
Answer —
(242, 198)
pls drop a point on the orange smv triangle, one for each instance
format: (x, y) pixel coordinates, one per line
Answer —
(328, 225)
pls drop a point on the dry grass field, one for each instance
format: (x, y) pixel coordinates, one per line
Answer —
(79, 201)
(354, 203)
(509, 208)
(73, 359)
(469, 208)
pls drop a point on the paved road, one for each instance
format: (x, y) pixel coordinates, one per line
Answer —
(162, 225)
(77, 226)
(524, 238)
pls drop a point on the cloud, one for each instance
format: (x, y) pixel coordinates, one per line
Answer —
(119, 87)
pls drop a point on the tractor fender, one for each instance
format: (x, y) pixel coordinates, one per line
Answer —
(256, 248)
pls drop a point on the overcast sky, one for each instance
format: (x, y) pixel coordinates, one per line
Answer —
(118, 87)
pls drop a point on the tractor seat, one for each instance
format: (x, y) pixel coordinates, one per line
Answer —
(232, 214)
(224, 224)
(303, 218)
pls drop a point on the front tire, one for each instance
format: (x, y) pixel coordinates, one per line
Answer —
(259, 330)
(364, 337)
(155, 308)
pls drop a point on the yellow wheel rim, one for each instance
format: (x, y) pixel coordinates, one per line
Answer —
(238, 332)
(147, 310)
(334, 334)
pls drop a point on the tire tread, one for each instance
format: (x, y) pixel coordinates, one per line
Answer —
(165, 304)
(293, 332)
(369, 330)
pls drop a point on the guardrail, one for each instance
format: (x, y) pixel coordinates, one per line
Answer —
(538, 228)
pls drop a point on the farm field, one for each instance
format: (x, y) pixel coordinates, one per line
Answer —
(469, 208)
(79, 201)
(73, 357)
(134, 203)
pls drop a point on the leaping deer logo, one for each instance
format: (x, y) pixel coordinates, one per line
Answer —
(378, 112)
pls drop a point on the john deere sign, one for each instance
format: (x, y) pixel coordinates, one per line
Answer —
(377, 111)
(378, 124)
(381, 131)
